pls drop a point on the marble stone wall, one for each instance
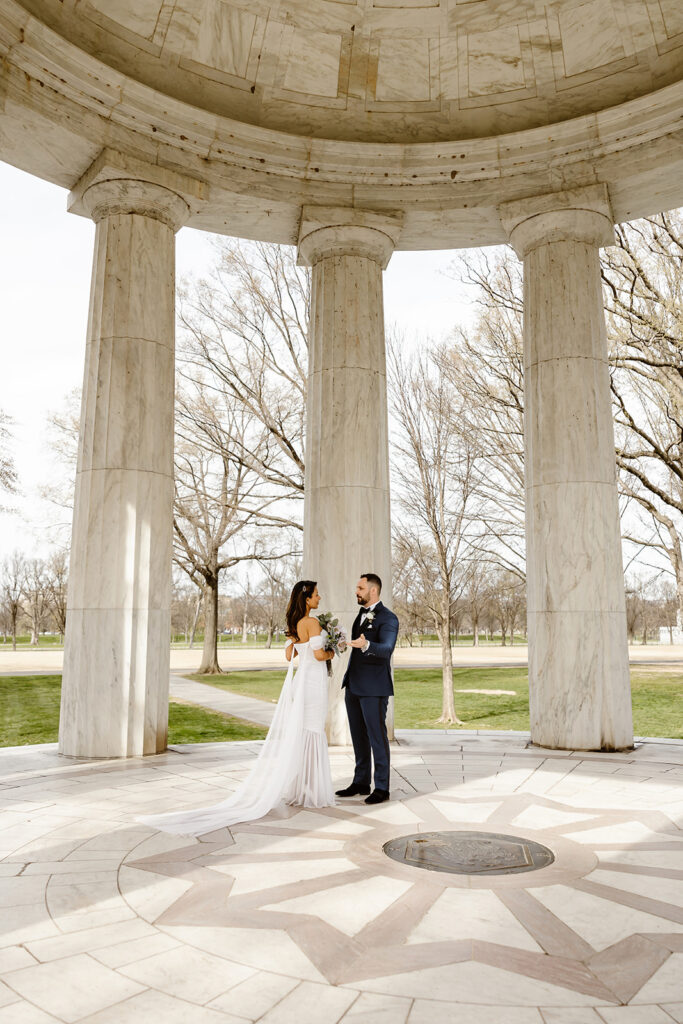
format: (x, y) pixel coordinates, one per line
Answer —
(347, 507)
(426, 69)
(579, 687)
(116, 659)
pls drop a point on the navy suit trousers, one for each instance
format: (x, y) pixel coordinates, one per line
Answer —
(367, 717)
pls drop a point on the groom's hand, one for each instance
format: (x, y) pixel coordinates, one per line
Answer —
(360, 642)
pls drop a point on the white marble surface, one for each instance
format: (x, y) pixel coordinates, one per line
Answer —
(347, 509)
(579, 688)
(116, 659)
(443, 109)
(300, 919)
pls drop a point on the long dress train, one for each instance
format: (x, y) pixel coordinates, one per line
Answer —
(293, 765)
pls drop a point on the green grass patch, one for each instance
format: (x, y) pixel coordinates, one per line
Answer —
(29, 705)
(24, 641)
(189, 724)
(29, 713)
(260, 685)
(29, 709)
(657, 697)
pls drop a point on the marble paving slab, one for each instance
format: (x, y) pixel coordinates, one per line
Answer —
(300, 917)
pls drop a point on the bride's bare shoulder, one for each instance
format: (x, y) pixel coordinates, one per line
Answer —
(308, 627)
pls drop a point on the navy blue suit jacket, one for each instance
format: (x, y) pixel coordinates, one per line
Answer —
(369, 674)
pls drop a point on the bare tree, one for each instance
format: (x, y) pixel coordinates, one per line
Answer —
(246, 326)
(219, 499)
(13, 573)
(485, 366)
(186, 603)
(407, 595)
(643, 611)
(56, 580)
(477, 593)
(508, 600)
(437, 472)
(35, 592)
(62, 438)
(246, 610)
(270, 597)
(668, 600)
(8, 472)
(643, 286)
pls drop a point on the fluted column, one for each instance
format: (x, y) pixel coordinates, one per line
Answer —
(347, 527)
(116, 656)
(579, 688)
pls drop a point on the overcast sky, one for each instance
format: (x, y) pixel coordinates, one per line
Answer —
(45, 262)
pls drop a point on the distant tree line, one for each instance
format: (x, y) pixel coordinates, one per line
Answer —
(490, 605)
(33, 597)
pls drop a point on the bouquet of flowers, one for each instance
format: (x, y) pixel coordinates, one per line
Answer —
(337, 639)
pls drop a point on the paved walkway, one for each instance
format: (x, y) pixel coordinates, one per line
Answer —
(300, 918)
(211, 697)
(233, 660)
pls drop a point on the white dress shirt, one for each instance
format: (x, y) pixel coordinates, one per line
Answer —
(364, 613)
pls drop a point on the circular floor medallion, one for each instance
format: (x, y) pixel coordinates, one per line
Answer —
(469, 853)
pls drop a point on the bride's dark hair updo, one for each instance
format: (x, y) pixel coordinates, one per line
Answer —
(296, 609)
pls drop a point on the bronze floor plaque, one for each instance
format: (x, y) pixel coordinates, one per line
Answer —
(469, 853)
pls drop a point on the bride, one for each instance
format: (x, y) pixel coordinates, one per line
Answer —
(293, 766)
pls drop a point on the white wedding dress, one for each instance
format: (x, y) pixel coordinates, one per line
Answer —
(293, 766)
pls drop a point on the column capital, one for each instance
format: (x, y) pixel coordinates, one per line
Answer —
(346, 231)
(115, 183)
(581, 215)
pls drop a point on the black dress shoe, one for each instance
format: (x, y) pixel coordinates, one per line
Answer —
(353, 790)
(378, 796)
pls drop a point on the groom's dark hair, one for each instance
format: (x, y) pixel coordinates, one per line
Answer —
(373, 579)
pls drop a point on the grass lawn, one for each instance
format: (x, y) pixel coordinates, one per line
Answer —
(24, 641)
(29, 713)
(29, 705)
(657, 697)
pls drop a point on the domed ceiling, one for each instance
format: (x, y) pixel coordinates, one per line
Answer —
(440, 110)
(384, 70)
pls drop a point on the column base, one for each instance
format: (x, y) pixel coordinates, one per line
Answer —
(579, 686)
(115, 683)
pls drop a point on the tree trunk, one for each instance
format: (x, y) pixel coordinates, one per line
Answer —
(209, 665)
(676, 558)
(475, 632)
(244, 626)
(448, 715)
(269, 637)
(196, 618)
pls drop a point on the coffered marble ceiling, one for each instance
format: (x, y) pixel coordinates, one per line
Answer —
(438, 109)
(384, 70)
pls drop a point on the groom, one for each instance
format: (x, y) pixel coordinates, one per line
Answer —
(368, 686)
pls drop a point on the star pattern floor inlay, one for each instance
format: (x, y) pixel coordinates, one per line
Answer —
(301, 917)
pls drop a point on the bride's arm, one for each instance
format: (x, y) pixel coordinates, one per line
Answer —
(290, 650)
(319, 654)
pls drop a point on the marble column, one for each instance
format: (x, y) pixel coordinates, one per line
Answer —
(579, 687)
(347, 527)
(116, 656)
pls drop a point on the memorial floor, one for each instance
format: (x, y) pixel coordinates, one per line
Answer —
(302, 918)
